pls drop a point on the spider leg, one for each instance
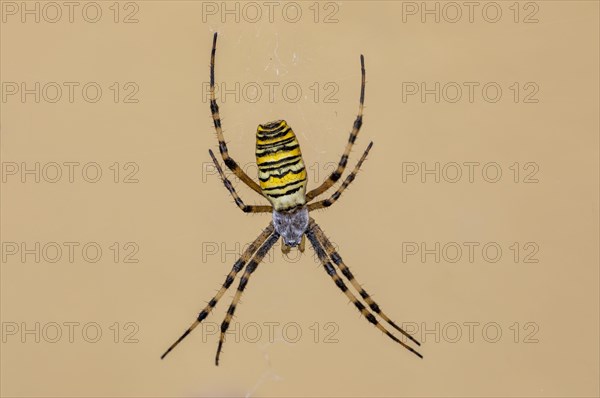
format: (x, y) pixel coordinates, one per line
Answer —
(238, 201)
(214, 109)
(337, 259)
(250, 268)
(237, 267)
(336, 195)
(337, 173)
(315, 241)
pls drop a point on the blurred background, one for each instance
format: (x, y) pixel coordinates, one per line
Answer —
(473, 223)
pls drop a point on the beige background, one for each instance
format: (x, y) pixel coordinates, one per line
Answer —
(179, 212)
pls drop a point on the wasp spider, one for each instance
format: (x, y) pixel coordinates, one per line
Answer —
(282, 181)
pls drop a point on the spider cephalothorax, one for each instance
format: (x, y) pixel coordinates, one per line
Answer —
(291, 225)
(282, 179)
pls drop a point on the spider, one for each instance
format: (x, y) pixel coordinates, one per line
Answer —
(282, 181)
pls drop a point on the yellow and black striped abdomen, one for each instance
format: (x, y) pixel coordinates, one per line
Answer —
(281, 170)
